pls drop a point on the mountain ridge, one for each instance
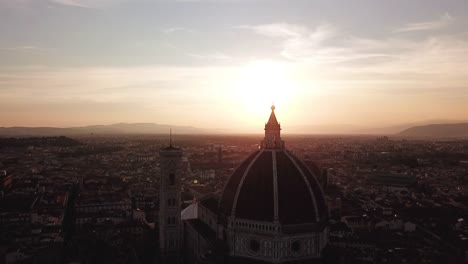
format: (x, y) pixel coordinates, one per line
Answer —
(457, 130)
(118, 128)
(440, 130)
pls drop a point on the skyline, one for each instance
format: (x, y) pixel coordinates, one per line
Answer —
(221, 64)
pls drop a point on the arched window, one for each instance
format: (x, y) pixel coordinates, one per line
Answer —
(171, 220)
(296, 246)
(171, 179)
(254, 245)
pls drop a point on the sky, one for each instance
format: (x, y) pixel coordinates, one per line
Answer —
(220, 64)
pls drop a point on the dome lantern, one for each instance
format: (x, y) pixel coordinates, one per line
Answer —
(272, 138)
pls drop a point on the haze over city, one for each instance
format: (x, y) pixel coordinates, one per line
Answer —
(341, 64)
(233, 131)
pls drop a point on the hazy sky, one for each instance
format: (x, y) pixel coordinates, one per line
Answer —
(221, 63)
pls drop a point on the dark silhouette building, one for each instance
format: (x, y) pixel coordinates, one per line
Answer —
(272, 210)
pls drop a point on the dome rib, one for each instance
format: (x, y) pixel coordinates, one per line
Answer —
(230, 189)
(306, 180)
(295, 201)
(239, 187)
(316, 187)
(275, 188)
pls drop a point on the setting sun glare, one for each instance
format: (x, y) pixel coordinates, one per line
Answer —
(260, 84)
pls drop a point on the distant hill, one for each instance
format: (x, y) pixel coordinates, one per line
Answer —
(394, 129)
(459, 130)
(120, 128)
(363, 129)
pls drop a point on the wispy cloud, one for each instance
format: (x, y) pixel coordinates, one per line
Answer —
(21, 48)
(143, 93)
(176, 29)
(443, 21)
(300, 42)
(74, 3)
(211, 56)
(339, 54)
(102, 3)
(92, 4)
(281, 30)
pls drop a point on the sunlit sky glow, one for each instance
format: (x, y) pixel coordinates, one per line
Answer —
(220, 64)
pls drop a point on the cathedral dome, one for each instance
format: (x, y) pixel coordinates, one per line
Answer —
(273, 185)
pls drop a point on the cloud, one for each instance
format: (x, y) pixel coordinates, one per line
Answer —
(21, 48)
(93, 4)
(74, 3)
(144, 94)
(308, 43)
(337, 60)
(281, 30)
(301, 43)
(177, 29)
(212, 56)
(20, 4)
(109, 83)
(443, 21)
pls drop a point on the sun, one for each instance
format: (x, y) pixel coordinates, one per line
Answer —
(260, 84)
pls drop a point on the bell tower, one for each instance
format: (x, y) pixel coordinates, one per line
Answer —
(170, 224)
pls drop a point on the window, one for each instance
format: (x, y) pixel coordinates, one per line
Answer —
(171, 179)
(254, 245)
(296, 246)
(171, 202)
(171, 220)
